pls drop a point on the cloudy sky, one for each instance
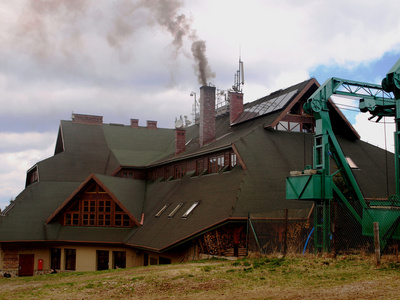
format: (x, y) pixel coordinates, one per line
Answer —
(126, 59)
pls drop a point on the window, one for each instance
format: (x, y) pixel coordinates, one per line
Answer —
(127, 174)
(179, 171)
(164, 261)
(89, 206)
(220, 162)
(216, 163)
(70, 259)
(187, 213)
(160, 173)
(118, 220)
(32, 176)
(199, 167)
(96, 208)
(55, 258)
(172, 213)
(351, 163)
(126, 221)
(102, 259)
(72, 219)
(104, 220)
(283, 126)
(88, 219)
(294, 126)
(162, 210)
(167, 173)
(119, 259)
(233, 159)
(105, 206)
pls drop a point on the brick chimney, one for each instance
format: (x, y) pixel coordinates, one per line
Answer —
(135, 123)
(180, 141)
(235, 106)
(87, 119)
(151, 124)
(207, 115)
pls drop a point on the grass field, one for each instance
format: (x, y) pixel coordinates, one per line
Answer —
(311, 277)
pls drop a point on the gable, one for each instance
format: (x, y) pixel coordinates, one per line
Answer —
(293, 117)
(93, 204)
(276, 101)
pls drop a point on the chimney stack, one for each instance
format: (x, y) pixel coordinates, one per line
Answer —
(135, 123)
(180, 141)
(87, 119)
(207, 115)
(151, 124)
(235, 106)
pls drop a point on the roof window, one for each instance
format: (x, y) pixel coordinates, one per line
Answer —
(351, 163)
(175, 210)
(191, 208)
(162, 210)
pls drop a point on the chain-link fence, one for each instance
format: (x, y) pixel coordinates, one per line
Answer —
(286, 232)
(280, 231)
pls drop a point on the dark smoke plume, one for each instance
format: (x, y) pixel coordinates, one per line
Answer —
(167, 16)
(47, 27)
(203, 69)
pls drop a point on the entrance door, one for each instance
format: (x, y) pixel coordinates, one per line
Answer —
(102, 260)
(26, 262)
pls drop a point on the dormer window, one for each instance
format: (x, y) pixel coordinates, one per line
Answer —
(32, 176)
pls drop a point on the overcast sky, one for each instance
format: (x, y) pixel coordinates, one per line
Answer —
(126, 59)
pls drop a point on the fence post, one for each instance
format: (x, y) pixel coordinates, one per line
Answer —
(377, 244)
(285, 236)
(255, 236)
(247, 234)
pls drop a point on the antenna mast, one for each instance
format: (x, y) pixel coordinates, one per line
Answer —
(239, 77)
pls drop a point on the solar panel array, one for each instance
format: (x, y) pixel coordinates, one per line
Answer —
(266, 106)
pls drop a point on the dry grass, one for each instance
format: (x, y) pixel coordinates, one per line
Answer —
(345, 277)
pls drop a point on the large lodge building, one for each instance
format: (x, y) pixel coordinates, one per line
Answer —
(116, 196)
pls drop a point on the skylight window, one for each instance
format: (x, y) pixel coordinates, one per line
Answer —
(351, 163)
(187, 213)
(162, 210)
(175, 210)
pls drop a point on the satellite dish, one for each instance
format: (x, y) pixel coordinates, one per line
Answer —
(179, 124)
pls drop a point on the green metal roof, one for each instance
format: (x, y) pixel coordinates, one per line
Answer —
(138, 146)
(269, 156)
(25, 221)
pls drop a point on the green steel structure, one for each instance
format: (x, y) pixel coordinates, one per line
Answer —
(317, 184)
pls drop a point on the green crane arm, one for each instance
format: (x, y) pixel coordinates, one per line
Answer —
(379, 101)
